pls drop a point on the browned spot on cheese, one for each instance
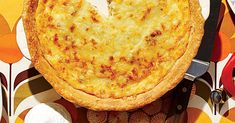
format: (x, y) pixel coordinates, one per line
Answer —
(78, 5)
(130, 78)
(133, 75)
(66, 48)
(65, 3)
(49, 52)
(119, 17)
(31, 7)
(84, 42)
(111, 58)
(132, 61)
(93, 42)
(83, 64)
(93, 16)
(56, 40)
(51, 6)
(172, 48)
(134, 71)
(74, 13)
(144, 63)
(74, 45)
(109, 1)
(51, 26)
(67, 61)
(105, 68)
(177, 25)
(87, 29)
(93, 60)
(72, 28)
(162, 5)
(50, 18)
(94, 19)
(123, 59)
(156, 33)
(66, 38)
(44, 1)
(108, 72)
(150, 65)
(122, 85)
(160, 58)
(163, 26)
(145, 72)
(113, 75)
(146, 13)
(151, 39)
(76, 59)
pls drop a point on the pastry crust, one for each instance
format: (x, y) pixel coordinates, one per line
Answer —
(172, 78)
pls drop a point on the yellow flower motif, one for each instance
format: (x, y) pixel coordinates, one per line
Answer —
(11, 10)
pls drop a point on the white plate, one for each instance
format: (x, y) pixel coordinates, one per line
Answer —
(101, 5)
(205, 5)
(232, 5)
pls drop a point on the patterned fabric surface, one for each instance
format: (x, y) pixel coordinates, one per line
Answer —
(25, 90)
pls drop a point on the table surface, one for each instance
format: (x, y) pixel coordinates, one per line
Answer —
(23, 87)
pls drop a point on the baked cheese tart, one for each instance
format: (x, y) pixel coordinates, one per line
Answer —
(122, 61)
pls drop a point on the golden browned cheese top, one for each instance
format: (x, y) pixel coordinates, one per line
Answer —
(124, 54)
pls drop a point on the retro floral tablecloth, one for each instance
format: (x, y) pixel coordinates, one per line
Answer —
(24, 88)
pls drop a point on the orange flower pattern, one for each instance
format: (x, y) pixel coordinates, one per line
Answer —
(30, 89)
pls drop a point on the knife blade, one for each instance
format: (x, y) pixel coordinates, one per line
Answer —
(199, 65)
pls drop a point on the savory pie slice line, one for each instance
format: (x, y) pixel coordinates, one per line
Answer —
(117, 62)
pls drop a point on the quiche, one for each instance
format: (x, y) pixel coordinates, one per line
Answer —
(122, 61)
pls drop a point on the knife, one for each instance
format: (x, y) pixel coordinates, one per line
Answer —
(198, 67)
(201, 62)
